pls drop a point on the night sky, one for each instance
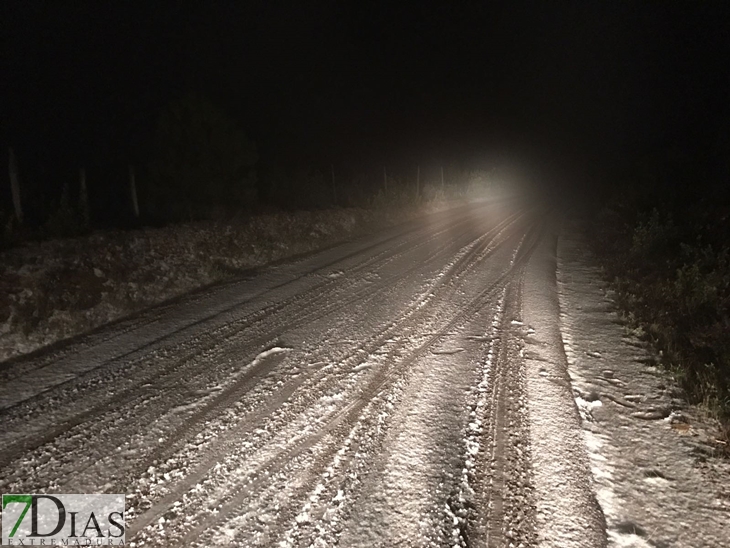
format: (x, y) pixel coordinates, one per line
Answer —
(360, 83)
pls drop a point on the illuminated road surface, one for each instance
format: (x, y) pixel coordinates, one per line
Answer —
(387, 392)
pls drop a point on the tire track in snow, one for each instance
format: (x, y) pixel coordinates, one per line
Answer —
(232, 501)
(377, 340)
(406, 526)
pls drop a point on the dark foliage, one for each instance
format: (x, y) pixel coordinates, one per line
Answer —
(202, 162)
(671, 267)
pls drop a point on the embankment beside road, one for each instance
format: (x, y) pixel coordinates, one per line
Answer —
(57, 289)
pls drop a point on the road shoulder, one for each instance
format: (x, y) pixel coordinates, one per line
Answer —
(655, 477)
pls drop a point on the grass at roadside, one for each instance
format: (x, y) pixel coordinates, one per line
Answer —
(671, 272)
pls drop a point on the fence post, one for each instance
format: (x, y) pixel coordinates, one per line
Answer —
(133, 191)
(83, 197)
(442, 178)
(418, 181)
(15, 185)
(334, 185)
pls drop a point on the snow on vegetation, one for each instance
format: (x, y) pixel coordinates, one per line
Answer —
(57, 289)
(658, 477)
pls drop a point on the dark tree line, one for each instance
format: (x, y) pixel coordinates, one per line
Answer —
(201, 162)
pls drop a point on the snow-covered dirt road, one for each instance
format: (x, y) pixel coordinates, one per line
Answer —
(372, 394)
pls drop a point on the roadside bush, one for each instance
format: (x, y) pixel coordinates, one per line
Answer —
(201, 160)
(397, 195)
(654, 237)
(9, 233)
(674, 279)
(65, 222)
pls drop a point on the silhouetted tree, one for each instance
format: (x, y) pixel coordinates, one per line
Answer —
(202, 161)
